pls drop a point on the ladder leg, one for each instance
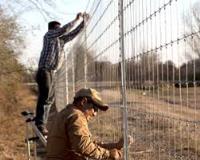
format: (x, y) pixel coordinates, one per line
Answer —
(35, 150)
(35, 146)
(28, 143)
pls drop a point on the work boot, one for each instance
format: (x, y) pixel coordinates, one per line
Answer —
(43, 130)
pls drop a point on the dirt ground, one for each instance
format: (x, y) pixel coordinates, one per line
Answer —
(162, 129)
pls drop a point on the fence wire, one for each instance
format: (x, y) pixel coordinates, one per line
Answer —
(61, 87)
(161, 70)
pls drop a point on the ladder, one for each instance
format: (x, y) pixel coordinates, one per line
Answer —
(35, 141)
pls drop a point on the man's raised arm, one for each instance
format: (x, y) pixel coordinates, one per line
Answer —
(64, 29)
(71, 35)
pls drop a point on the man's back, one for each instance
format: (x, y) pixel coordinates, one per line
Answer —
(58, 146)
(50, 52)
(69, 137)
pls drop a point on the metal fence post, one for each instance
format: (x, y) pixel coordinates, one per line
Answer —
(85, 59)
(123, 77)
(73, 74)
(66, 81)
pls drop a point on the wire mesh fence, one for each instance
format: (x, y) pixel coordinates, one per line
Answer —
(61, 87)
(143, 57)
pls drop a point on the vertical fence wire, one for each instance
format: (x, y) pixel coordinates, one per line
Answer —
(61, 85)
(123, 77)
(161, 61)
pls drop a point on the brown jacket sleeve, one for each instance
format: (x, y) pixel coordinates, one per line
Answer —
(110, 146)
(79, 136)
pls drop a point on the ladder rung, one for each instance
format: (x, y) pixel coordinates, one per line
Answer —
(32, 139)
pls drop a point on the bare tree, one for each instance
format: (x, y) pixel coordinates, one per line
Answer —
(11, 73)
(79, 54)
(190, 70)
(192, 21)
(10, 40)
(44, 7)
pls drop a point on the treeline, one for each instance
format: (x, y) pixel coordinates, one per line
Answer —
(11, 72)
(145, 70)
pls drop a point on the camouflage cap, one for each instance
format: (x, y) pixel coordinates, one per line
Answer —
(94, 95)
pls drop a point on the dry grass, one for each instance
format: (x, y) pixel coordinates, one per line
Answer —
(155, 123)
(159, 127)
(12, 130)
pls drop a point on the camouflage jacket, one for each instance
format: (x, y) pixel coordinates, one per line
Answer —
(70, 139)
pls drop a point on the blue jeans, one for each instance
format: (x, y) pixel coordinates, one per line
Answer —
(46, 97)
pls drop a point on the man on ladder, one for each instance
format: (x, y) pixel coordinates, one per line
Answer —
(51, 59)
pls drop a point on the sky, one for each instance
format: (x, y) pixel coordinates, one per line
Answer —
(35, 22)
(166, 26)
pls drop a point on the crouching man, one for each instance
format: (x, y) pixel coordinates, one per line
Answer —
(69, 137)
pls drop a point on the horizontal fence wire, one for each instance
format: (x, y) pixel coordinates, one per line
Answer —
(162, 60)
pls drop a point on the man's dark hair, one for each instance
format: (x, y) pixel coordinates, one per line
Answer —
(53, 24)
(78, 99)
